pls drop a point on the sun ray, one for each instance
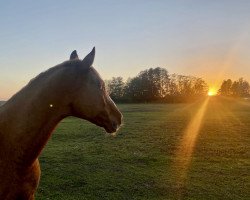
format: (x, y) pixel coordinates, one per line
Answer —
(186, 147)
(226, 111)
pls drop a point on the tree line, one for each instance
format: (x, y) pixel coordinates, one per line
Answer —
(238, 88)
(157, 85)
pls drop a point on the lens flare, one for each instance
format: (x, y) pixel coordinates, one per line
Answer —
(186, 147)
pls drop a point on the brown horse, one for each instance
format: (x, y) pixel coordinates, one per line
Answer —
(73, 88)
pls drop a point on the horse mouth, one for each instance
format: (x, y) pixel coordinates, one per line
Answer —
(111, 128)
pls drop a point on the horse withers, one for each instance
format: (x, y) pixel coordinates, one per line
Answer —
(73, 88)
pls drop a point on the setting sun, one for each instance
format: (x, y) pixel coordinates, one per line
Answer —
(211, 92)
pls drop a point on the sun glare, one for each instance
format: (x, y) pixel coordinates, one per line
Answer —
(211, 92)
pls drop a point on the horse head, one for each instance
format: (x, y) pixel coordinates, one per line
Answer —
(91, 100)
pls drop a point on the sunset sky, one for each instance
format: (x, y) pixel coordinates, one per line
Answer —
(208, 39)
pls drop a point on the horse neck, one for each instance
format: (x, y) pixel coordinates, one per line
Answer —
(29, 118)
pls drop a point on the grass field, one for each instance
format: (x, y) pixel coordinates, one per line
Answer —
(176, 151)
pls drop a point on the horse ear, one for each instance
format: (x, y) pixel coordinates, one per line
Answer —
(89, 59)
(73, 55)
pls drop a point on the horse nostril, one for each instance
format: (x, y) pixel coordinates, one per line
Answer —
(115, 125)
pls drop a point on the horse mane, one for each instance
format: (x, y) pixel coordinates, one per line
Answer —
(50, 71)
(36, 81)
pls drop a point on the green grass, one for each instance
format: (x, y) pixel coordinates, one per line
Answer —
(81, 162)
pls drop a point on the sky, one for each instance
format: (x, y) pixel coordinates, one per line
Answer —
(207, 39)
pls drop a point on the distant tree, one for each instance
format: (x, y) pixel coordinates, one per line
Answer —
(116, 88)
(173, 85)
(225, 89)
(185, 85)
(239, 88)
(186, 88)
(133, 89)
(156, 85)
(149, 85)
(200, 87)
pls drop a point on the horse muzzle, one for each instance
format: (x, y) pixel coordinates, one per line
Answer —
(112, 127)
(111, 123)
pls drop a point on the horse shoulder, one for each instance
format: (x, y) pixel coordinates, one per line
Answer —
(19, 183)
